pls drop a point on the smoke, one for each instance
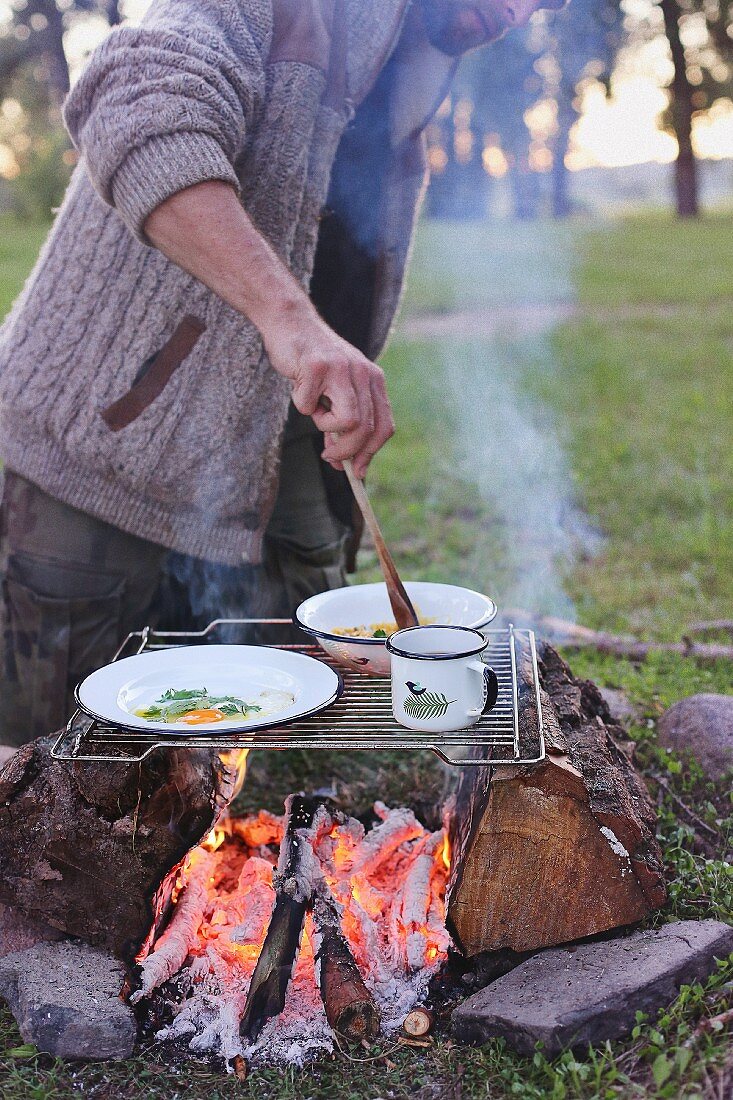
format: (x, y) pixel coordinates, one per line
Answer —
(508, 446)
(506, 442)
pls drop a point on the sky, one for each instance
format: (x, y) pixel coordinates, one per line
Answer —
(620, 130)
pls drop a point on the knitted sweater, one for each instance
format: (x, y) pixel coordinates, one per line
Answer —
(127, 388)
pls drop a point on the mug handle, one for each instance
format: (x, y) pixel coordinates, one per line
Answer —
(491, 687)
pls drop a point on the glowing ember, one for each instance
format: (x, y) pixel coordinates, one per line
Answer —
(389, 883)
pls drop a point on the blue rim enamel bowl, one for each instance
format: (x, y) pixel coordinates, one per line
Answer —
(366, 605)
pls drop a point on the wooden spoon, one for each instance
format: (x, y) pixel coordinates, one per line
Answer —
(402, 608)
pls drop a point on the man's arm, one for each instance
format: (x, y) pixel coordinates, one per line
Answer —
(205, 230)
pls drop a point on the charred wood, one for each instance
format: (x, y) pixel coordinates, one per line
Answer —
(350, 1008)
(294, 885)
(171, 949)
(85, 846)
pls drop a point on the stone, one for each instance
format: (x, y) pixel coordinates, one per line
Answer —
(583, 994)
(703, 726)
(487, 966)
(18, 932)
(6, 751)
(66, 1000)
(620, 706)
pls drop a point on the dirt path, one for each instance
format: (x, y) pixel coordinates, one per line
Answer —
(524, 318)
(527, 318)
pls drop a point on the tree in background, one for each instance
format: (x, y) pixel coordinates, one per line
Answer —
(504, 84)
(700, 37)
(34, 81)
(497, 88)
(35, 33)
(584, 39)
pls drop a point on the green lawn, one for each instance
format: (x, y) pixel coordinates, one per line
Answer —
(631, 404)
(19, 245)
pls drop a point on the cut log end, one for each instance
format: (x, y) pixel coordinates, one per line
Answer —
(561, 850)
(239, 1067)
(358, 1020)
(418, 1023)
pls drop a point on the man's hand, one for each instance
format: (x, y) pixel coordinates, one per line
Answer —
(205, 230)
(357, 419)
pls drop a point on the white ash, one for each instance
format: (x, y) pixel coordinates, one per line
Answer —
(389, 884)
(396, 827)
(615, 843)
(171, 949)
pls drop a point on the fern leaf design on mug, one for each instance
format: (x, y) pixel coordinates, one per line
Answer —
(423, 704)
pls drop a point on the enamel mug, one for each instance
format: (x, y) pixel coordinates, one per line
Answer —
(439, 682)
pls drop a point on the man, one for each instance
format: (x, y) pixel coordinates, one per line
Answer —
(167, 450)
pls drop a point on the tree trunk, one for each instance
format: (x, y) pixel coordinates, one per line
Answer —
(88, 847)
(682, 106)
(113, 12)
(566, 115)
(58, 66)
(553, 852)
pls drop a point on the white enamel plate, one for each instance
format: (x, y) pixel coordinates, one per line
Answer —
(283, 686)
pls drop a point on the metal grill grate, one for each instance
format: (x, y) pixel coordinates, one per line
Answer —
(361, 719)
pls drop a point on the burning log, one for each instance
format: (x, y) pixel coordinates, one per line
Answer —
(556, 851)
(86, 847)
(293, 895)
(175, 943)
(350, 1008)
(372, 937)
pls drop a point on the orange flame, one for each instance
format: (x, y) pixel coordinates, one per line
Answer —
(446, 852)
(393, 900)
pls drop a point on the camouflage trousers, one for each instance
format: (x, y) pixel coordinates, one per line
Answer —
(73, 587)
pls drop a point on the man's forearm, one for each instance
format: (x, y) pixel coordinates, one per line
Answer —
(205, 231)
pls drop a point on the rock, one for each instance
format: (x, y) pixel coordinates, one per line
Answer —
(487, 966)
(703, 726)
(576, 995)
(18, 932)
(6, 751)
(65, 999)
(620, 706)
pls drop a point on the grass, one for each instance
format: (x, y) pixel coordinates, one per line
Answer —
(649, 408)
(19, 245)
(656, 259)
(637, 390)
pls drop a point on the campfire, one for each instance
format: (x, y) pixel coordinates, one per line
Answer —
(266, 938)
(355, 914)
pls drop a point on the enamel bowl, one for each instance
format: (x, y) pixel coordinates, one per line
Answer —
(365, 604)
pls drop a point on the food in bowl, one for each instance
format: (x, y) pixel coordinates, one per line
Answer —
(375, 630)
(335, 619)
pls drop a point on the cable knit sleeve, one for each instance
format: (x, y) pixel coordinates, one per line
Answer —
(168, 104)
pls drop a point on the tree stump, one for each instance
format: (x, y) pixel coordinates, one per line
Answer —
(88, 848)
(556, 851)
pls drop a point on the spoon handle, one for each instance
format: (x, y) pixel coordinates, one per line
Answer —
(402, 608)
(400, 602)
